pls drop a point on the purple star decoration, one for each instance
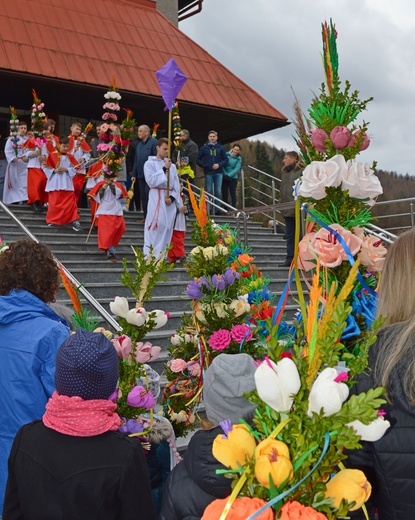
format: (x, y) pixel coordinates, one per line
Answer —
(171, 80)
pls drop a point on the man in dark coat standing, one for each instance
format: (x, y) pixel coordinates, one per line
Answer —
(188, 149)
(146, 147)
(290, 173)
(212, 158)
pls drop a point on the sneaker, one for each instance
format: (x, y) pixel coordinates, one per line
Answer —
(181, 260)
(76, 226)
(111, 258)
(51, 224)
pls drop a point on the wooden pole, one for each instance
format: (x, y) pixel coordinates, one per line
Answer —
(169, 155)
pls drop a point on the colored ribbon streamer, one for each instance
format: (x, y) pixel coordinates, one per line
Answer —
(291, 489)
(345, 247)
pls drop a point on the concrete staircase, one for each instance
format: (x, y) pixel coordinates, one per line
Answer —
(102, 279)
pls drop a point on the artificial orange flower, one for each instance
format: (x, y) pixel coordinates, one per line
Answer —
(296, 511)
(242, 508)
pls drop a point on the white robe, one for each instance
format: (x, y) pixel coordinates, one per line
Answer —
(158, 227)
(60, 181)
(15, 182)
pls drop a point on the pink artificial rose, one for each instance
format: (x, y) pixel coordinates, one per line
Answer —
(361, 181)
(330, 251)
(177, 365)
(317, 139)
(319, 175)
(366, 141)
(373, 252)
(340, 137)
(220, 339)
(306, 258)
(194, 369)
(241, 332)
(140, 397)
(123, 346)
(145, 352)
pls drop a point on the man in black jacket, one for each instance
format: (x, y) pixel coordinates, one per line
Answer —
(146, 147)
(188, 149)
(212, 158)
(290, 173)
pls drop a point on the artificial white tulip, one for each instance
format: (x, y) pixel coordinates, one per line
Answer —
(277, 383)
(176, 340)
(326, 393)
(160, 317)
(136, 317)
(373, 431)
(119, 306)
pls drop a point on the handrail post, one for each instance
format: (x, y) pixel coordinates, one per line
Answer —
(243, 187)
(411, 206)
(274, 208)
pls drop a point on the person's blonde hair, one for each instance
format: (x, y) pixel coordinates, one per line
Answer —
(397, 306)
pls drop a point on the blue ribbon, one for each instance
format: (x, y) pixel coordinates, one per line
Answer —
(282, 298)
(345, 247)
(286, 493)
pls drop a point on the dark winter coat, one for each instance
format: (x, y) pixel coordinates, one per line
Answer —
(53, 476)
(389, 463)
(143, 151)
(193, 484)
(211, 154)
(289, 176)
(189, 149)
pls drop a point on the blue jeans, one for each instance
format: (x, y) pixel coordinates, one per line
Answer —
(213, 186)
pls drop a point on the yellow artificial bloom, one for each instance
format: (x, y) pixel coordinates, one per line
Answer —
(272, 459)
(350, 484)
(234, 449)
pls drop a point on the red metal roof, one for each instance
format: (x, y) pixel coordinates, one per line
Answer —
(89, 41)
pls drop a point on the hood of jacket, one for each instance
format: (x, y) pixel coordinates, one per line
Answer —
(202, 465)
(20, 305)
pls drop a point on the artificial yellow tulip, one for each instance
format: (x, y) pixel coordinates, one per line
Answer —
(233, 449)
(350, 484)
(272, 458)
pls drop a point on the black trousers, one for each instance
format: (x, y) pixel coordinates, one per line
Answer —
(290, 236)
(229, 188)
(144, 191)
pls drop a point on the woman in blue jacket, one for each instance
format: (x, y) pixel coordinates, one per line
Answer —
(230, 174)
(30, 335)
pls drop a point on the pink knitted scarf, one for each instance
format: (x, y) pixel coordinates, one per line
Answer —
(79, 418)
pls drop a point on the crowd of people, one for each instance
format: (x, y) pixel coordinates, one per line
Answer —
(58, 175)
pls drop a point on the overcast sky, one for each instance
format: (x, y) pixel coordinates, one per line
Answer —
(275, 44)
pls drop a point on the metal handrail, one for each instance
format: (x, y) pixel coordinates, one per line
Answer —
(85, 293)
(273, 197)
(217, 203)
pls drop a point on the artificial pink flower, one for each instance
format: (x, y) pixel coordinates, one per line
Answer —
(220, 339)
(140, 397)
(123, 346)
(319, 175)
(241, 332)
(317, 139)
(340, 137)
(328, 248)
(194, 369)
(178, 365)
(145, 352)
(373, 252)
(306, 258)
